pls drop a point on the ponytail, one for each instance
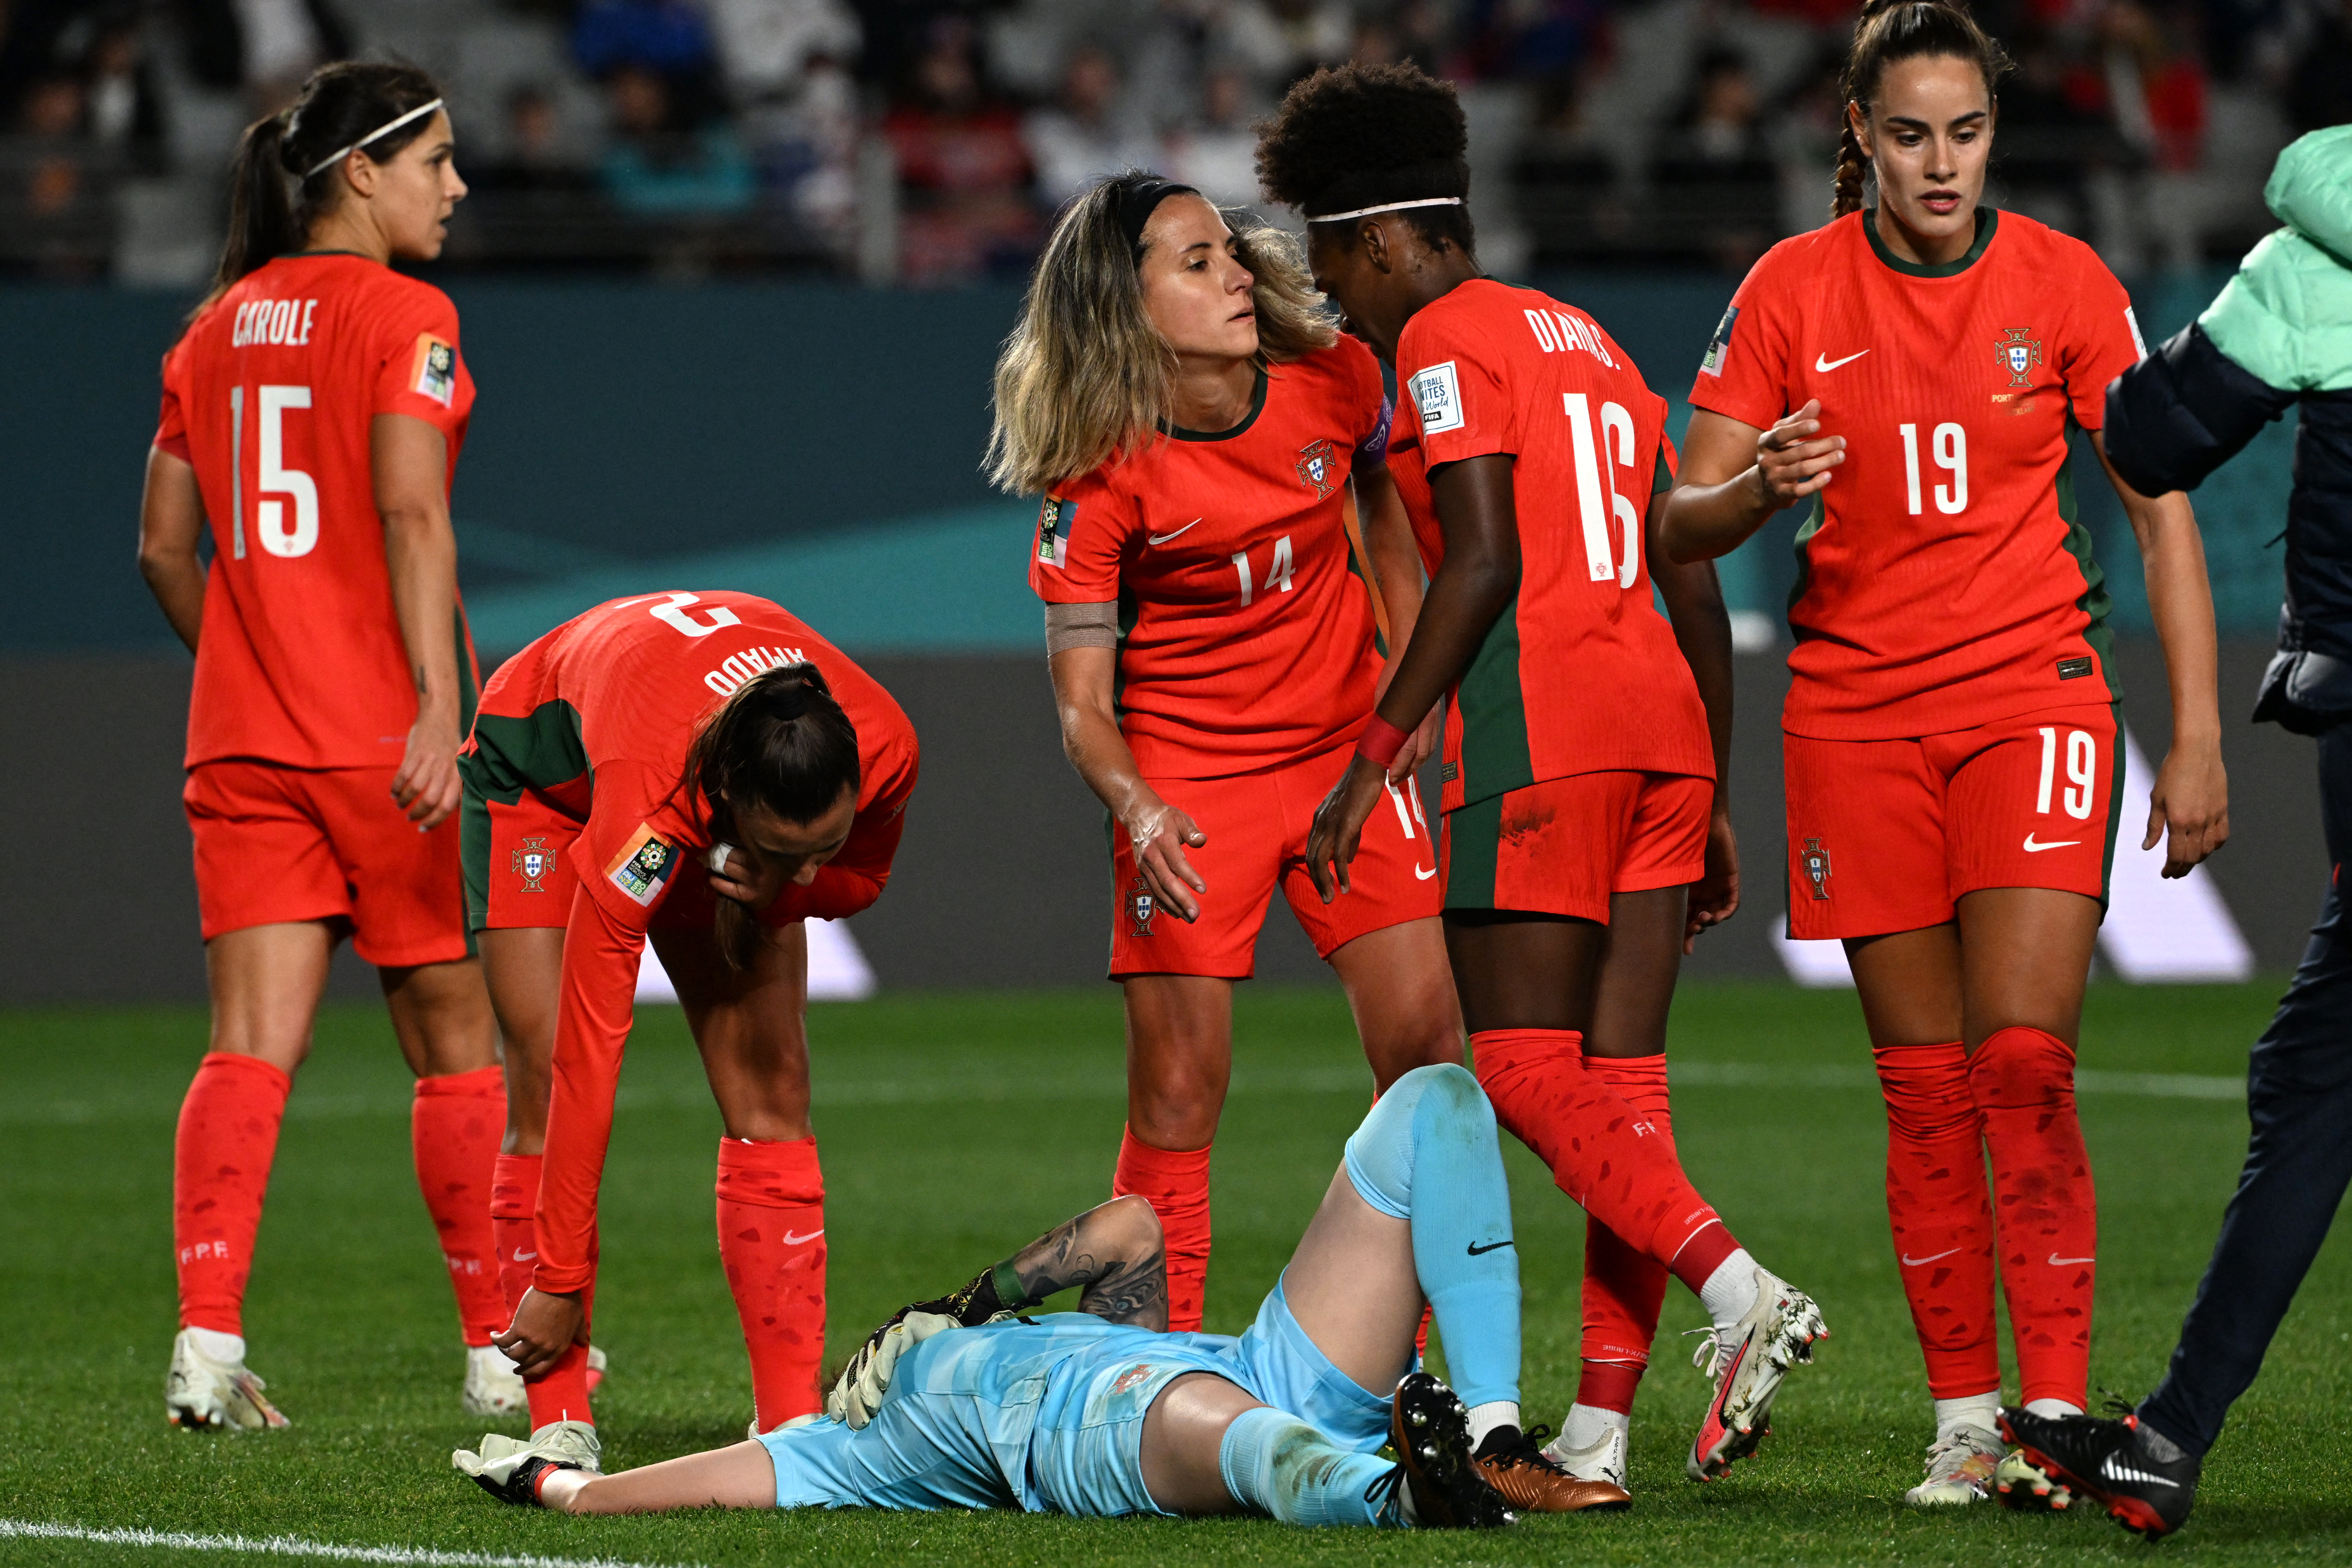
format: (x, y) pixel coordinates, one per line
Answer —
(1891, 30)
(277, 192)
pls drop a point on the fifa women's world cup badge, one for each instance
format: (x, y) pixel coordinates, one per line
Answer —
(1318, 468)
(532, 861)
(2019, 356)
(1815, 861)
(1140, 906)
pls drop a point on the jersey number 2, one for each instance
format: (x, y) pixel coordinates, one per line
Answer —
(275, 480)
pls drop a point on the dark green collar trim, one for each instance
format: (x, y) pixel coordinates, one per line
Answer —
(1257, 406)
(1987, 220)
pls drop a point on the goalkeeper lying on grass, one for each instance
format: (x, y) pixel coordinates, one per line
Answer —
(959, 1402)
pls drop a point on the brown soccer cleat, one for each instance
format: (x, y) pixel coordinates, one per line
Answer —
(1515, 1465)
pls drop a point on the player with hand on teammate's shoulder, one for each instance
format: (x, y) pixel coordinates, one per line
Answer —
(702, 771)
(1915, 368)
(1586, 841)
(312, 415)
(1219, 548)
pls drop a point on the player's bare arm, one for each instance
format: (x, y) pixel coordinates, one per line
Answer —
(1159, 832)
(1480, 575)
(1734, 476)
(1695, 608)
(2190, 807)
(410, 460)
(1113, 1250)
(171, 522)
(1396, 568)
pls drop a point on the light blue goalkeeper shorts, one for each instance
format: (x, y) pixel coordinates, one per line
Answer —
(1048, 1417)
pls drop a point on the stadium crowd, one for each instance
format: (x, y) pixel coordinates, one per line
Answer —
(929, 142)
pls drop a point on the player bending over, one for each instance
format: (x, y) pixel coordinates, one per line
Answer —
(1103, 1413)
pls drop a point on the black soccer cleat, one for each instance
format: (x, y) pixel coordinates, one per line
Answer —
(521, 1486)
(1431, 1434)
(2141, 1477)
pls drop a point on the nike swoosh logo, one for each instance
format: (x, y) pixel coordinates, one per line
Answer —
(524, 1257)
(2116, 1472)
(1823, 362)
(1163, 538)
(1476, 1250)
(1424, 875)
(2033, 849)
(2058, 1262)
(1911, 1262)
(793, 1237)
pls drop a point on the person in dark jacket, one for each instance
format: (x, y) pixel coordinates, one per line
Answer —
(2280, 333)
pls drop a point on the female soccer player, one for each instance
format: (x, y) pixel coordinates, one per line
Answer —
(1585, 844)
(703, 770)
(1208, 446)
(1952, 743)
(314, 411)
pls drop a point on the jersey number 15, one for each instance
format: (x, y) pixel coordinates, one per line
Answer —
(275, 480)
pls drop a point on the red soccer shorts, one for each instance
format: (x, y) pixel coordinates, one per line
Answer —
(280, 844)
(1887, 835)
(1565, 846)
(1256, 826)
(519, 872)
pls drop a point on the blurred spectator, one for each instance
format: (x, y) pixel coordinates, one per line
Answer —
(266, 47)
(665, 38)
(1575, 207)
(1087, 133)
(1281, 41)
(2156, 85)
(2319, 92)
(1217, 153)
(125, 110)
(55, 220)
(765, 47)
(1529, 39)
(659, 165)
(963, 172)
(536, 156)
(1718, 187)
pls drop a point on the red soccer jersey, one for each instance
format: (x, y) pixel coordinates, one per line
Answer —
(596, 717)
(1944, 582)
(1582, 673)
(1248, 634)
(271, 394)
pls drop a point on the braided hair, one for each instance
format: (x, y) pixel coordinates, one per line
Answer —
(1892, 30)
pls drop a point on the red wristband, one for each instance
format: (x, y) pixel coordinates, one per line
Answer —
(1380, 742)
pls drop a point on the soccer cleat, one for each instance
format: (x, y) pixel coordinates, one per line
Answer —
(2142, 1477)
(1960, 1470)
(1515, 1464)
(200, 1391)
(2023, 1489)
(1603, 1459)
(493, 1386)
(1446, 1488)
(1746, 1365)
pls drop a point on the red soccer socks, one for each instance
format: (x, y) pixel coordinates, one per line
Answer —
(1609, 1159)
(1623, 1288)
(560, 1393)
(1176, 1182)
(220, 1169)
(2022, 1081)
(1941, 1214)
(771, 1244)
(454, 1124)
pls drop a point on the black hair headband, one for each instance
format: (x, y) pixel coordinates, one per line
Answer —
(1136, 197)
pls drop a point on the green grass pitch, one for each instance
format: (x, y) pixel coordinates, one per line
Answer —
(955, 1127)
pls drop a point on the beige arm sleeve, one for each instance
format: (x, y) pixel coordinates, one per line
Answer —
(1081, 626)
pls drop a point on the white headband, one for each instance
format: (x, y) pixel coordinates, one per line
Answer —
(1387, 207)
(385, 129)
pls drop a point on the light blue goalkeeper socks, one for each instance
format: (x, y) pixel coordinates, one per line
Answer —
(1275, 1461)
(1427, 1153)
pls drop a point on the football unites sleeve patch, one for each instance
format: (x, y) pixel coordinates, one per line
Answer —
(1437, 395)
(1054, 517)
(435, 372)
(1719, 347)
(643, 867)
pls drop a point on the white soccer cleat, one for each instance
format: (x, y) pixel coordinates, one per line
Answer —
(201, 1390)
(570, 1443)
(493, 1386)
(2025, 1487)
(1960, 1470)
(1602, 1460)
(1746, 1364)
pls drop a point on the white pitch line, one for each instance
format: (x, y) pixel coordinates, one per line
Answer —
(295, 1546)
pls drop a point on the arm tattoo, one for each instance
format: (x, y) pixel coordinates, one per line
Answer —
(1086, 1252)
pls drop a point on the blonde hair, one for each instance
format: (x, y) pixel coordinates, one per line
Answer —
(1086, 375)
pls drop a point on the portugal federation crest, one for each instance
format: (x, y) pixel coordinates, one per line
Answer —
(1318, 468)
(532, 860)
(2019, 355)
(1815, 861)
(1140, 906)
